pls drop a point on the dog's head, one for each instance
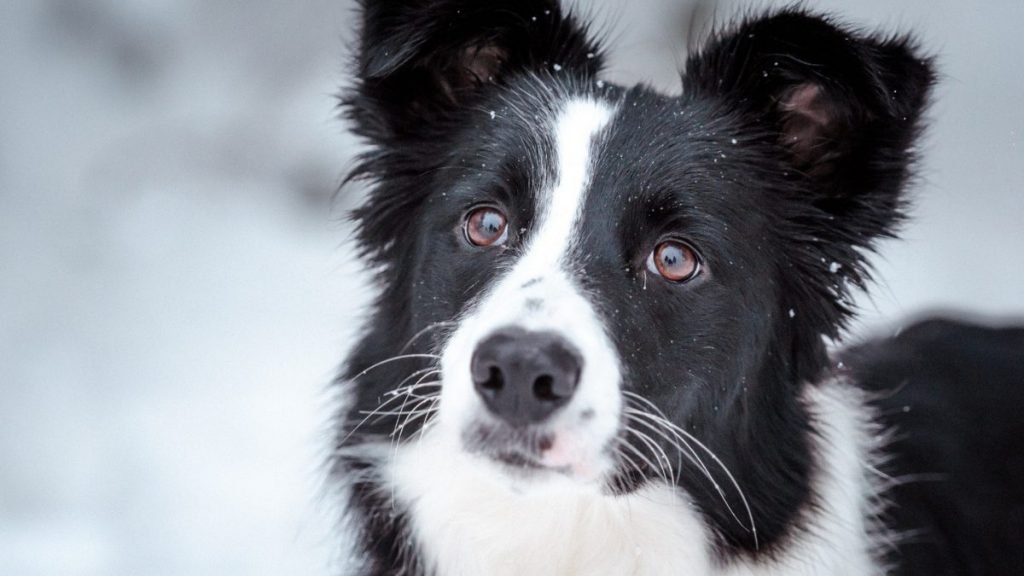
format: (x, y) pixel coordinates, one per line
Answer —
(591, 282)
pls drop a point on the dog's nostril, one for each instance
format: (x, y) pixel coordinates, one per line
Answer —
(495, 380)
(543, 388)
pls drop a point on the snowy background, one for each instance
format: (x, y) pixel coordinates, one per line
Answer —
(176, 290)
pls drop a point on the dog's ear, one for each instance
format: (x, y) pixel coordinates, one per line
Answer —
(419, 61)
(838, 114)
(844, 108)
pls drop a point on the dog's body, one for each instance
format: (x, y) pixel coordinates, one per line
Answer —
(599, 346)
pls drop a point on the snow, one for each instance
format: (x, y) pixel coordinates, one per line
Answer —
(176, 292)
(174, 301)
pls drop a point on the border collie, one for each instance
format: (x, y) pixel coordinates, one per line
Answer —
(602, 340)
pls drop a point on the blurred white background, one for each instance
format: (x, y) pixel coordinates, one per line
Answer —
(176, 290)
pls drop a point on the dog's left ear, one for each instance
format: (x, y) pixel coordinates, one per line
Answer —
(422, 61)
(844, 109)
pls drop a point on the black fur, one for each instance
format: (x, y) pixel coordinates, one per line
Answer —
(783, 161)
(953, 393)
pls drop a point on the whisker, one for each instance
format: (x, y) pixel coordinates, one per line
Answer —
(432, 326)
(393, 396)
(412, 391)
(619, 453)
(429, 422)
(404, 412)
(401, 385)
(417, 410)
(684, 435)
(395, 359)
(417, 383)
(684, 448)
(429, 397)
(415, 413)
(659, 454)
(680, 444)
(643, 458)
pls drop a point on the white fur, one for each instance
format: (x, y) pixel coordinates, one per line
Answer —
(843, 539)
(539, 293)
(467, 519)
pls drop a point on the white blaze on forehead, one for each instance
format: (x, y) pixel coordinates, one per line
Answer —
(575, 128)
(539, 293)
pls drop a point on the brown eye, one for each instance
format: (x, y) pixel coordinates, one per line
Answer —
(486, 226)
(675, 261)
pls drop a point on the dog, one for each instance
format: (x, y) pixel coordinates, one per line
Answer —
(603, 340)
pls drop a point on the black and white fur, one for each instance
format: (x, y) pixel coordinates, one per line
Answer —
(708, 430)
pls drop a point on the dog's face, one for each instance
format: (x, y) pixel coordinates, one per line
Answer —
(591, 254)
(601, 282)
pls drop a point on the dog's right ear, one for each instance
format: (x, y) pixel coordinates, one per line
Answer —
(422, 61)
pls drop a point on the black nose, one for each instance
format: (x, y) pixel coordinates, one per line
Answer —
(524, 376)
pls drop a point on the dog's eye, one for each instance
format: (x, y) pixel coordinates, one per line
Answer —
(675, 261)
(486, 226)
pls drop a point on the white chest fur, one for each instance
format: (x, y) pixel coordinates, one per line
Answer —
(479, 524)
(466, 521)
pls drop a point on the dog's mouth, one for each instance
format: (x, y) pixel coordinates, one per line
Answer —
(524, 464)
(518, 466)
(510, 447)
(529, 453)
